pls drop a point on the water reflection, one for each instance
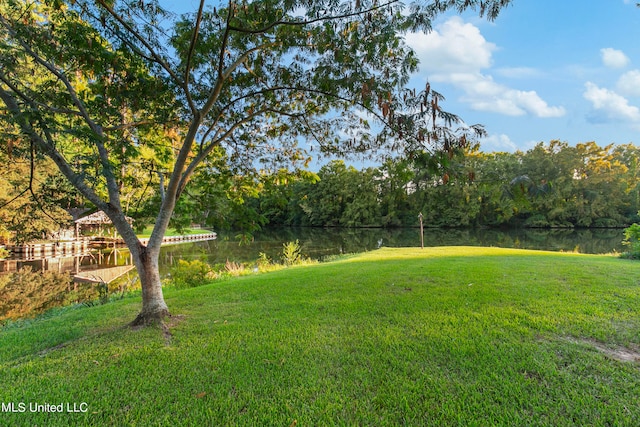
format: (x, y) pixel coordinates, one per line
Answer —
(34, 285)
(76, 264)
(320, 243)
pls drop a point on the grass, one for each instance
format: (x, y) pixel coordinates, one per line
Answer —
(440, 336)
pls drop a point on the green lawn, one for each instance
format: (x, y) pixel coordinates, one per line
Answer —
(440, 336)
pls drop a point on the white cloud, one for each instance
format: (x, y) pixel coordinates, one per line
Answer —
(498, 143)
(609, 105)
(519, 72)
(456, 53)
(484, 94)
(614, 58)
(503, 143)
(453, 47)
(629, 83)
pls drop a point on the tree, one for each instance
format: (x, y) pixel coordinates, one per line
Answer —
(629, 155)
(394, 179)
(93, 84)
(28, 209)
(33, 198)
(342, 196)
(492, 174)
(279, 200)
(325, 202)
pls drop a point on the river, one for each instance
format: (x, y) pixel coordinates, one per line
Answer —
(320, 243)
(316, 243)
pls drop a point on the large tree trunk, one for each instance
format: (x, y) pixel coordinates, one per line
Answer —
(154, 308)
(145, 258)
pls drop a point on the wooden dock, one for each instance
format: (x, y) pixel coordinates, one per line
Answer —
(167, 240)
(185, 238)
(102, 275)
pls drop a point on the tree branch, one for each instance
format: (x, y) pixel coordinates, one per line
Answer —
(137, 35)
(192, 47)
(311, 21)
(112, 185)
(213, 144)
(57, 73)
(49, 147)
(222, 75)
(125, 126)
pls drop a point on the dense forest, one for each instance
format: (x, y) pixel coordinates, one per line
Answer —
(551, 185)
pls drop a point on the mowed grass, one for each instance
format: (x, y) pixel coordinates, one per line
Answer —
(440, 336)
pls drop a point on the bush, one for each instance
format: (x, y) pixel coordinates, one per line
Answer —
(632, 239)
(189, 274)
(291, 253)
(263, 262)
(233, 268)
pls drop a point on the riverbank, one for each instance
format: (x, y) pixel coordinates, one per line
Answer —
(440, 336)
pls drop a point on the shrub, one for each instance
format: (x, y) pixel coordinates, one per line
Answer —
(291, 253)
(606, 223)
(263, 262)
(234, 268)
(632, 239)
(189, 274)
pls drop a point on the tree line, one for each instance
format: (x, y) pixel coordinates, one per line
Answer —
(551, 185)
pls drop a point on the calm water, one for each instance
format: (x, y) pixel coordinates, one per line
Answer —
(320, 243)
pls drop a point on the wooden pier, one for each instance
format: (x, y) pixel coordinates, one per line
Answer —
(167, 240)
(102, 275)
(185, 238)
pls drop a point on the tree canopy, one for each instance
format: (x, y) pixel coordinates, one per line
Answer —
(552, 185)
(110, 88)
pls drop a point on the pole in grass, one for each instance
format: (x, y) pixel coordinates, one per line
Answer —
(421, 231)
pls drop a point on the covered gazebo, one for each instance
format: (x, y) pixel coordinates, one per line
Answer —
(96, 220)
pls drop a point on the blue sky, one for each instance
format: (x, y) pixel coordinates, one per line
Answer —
(545, 69)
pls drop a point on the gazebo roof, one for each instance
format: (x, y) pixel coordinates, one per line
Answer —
(96, 218)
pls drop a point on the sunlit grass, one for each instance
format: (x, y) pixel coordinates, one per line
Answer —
(440, 336)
